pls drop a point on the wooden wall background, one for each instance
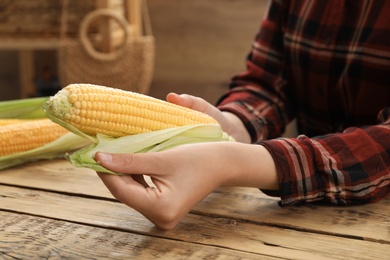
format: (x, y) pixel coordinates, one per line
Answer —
(200, 45)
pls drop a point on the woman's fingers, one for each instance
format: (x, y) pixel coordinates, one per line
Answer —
(229, 122)
(196, 103)
(123, 188)
(162, 204)
(131, 189)
(189, 101)
(148, 201)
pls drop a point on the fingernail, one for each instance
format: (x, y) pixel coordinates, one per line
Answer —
(104, 157)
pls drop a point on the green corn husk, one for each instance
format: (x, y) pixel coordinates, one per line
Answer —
(31, 108)
(146, 142)
(28, 108)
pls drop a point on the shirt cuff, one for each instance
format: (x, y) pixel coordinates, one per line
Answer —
(295, 165)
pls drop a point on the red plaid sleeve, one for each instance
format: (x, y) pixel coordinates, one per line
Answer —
(352, 167)
(258, 96)
(324, 63)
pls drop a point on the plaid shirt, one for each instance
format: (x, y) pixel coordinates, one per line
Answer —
(327, 64)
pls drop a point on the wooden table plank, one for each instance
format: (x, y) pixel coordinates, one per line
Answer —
(201, 230)
(31, 237)
(56, 175)
(370, 222)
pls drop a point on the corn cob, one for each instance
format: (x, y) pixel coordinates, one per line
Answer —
(27, 135)
(96, 109)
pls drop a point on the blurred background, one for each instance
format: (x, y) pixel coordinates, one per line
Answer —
(199, 44)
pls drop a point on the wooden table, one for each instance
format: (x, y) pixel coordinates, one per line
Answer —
(52, 210)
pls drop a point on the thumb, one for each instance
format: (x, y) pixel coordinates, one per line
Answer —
(127, 163)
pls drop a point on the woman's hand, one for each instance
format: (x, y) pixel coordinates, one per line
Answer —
(183, 176)
(229, 122)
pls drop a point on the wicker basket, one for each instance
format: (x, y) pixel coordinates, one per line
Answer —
(30, 20)
(129, 67)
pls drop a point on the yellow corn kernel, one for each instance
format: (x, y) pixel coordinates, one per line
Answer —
(96, 109)
(10, 121)
(27, 135)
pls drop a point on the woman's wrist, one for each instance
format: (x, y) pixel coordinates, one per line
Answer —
(249, 165)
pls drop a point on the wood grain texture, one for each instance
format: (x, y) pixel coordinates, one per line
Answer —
(227, 232)
(56, 175)
(30, 237)
(370, 222)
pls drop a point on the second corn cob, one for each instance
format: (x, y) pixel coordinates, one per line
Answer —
(96, 109)
(22, 135)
